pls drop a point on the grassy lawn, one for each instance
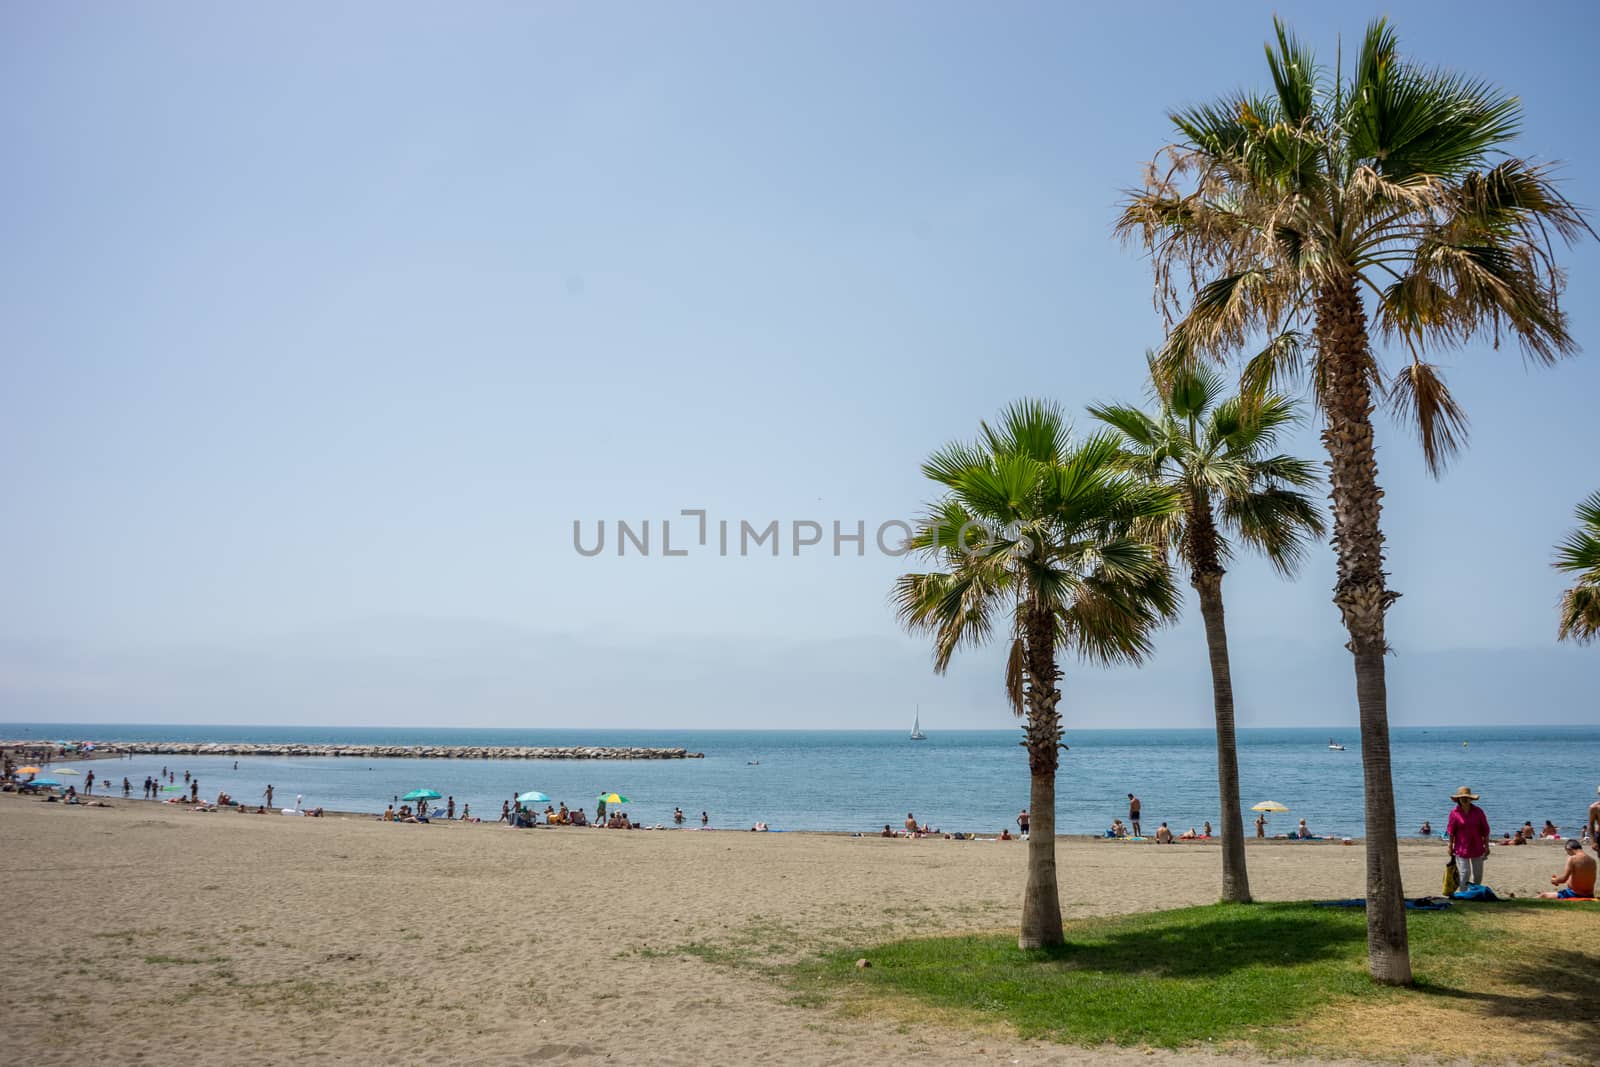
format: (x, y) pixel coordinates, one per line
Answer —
(1517, 980)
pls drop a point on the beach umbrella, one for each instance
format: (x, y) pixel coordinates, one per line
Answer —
(532, 798)
(47, 783)
(27, 770)
(68, 770)
(615, 798)
(1269, 805)
(422, 794)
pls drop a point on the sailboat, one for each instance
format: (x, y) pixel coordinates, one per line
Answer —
(916, 726)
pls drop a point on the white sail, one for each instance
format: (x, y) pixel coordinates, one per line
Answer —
(916, 727)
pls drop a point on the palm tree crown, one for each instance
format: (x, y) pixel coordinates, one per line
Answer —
(1579, 554)
(1209, 448)
(1394, 178)
(1031, 518)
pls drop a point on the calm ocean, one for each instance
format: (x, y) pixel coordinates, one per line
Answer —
(974, 780)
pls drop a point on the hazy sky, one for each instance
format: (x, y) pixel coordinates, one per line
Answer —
(320, 324)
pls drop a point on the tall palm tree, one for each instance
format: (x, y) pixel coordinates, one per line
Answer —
(1579, 554)
(1037, 533)
(1217, 454)
(1386, 190)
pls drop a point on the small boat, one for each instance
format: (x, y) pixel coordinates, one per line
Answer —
(916, 727)
(1334, 746)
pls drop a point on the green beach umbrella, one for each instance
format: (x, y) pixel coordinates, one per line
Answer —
(422, 794)
(615, 798)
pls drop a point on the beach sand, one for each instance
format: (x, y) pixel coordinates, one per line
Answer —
(149, 934)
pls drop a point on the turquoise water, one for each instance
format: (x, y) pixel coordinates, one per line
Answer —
(957, 780)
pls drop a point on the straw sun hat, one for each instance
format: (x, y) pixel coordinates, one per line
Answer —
(1464, 794)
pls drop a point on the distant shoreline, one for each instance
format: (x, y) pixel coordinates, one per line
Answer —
(109, 749)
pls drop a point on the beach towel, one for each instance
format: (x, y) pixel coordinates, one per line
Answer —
(1474, 891)
(1420, 904)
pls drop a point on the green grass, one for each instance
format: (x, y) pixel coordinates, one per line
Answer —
(1211, 974)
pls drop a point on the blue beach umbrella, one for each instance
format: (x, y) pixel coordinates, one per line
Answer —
(46, 783)
(532, 798)
(422, 794)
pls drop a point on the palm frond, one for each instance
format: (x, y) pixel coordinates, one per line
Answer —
(1419, 397)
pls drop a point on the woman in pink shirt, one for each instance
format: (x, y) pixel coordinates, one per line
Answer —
(1467, 832)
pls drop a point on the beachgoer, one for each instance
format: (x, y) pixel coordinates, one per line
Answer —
(1426, 829)
(505, 810)
(1118, 828)
(887, 832)
(466, 811)
(1578, 875)
(911, 823)
(194, 789)
(1549, 830)
(299, 801)
(185, 776)
(269, 796)
(450, 807)
(1592, 830)
(677, 816)
(235, 764)
(1302, 831)
(1134, 807)
(127, 787)
(1022, 822)
(1189, 835)
(1005, 834)
(388, 814)
(1261, 825)
(88, 783)
(1207, 832)
(705, 820)
(1467, 833)
(1163, 835)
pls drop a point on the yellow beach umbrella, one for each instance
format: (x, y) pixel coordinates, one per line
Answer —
(1270, 805)
(615, 798)
(27, 770)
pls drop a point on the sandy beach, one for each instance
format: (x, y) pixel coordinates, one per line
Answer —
(157, 934)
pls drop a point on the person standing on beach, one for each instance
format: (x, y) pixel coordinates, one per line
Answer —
(88, 783)
(194, 790)
(1261, 825)
(1022, 823)
(450, 807)
(1467, 833)
(1133, 814)
(269, 796)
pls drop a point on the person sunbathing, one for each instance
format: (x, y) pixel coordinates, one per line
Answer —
(1163, 835)
(1005, 834)
(1189, 835)
(1577, 875)
(887, 832)
(1118, 829)
(1549, 830)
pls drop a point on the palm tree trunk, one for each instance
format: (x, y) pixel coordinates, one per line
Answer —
(1235, 878)
(1041, 901)
(1347, 373)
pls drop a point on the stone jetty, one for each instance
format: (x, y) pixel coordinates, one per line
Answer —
(182, 748)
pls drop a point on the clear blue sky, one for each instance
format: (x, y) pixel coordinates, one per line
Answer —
(321, 323)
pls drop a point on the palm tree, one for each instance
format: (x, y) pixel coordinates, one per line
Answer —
(1037, 533)
(1386, 189)
(1217, 455)
(1580, 554)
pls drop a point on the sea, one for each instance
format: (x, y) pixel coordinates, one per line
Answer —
(856, 781)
